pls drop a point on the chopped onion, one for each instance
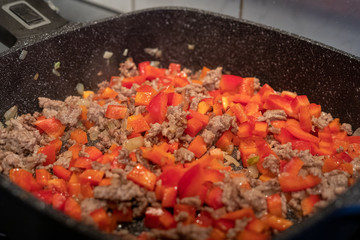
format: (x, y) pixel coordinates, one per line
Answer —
(253, 160)
(57, 65)
(36, 76)
(23, 54)
(11, 113)
(253, 171)
(55, 72)
(155, 52)
(191, 46)
(80, 88)
(230, 160)
(155, 63)
(134, 143)
(93, 135)
(107, 54)
(84, 102)
(125, 53)
(356, 132)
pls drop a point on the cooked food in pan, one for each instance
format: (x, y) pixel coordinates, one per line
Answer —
(191, 155)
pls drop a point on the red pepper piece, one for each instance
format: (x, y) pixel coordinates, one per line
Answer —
(277, 223)
(82, 162)
(159, 218)
(245, 212)
(158, 107)
(204, 219)
(101, 219)
(247, 234)
(169, 197)
(116, 112)
(191, 182)
(44, 195)
(79, 136)
(42, 176)
(193, 127)
(274, 205)
(171, 175)
(61, 172)
(291, 183)
(137, 124)
(293, 166)
(213, 198)
(50, 126)
(230, 82)
(301, 134)
(305, 119)
(143, 177)
(72, 208)
(50, 152)
(57, 185)
(58, 201)
(93, 152)
(24, 179)
(91, 176)
(300, 145)
(108, 93)
(307, 204)
(278, 102)
(190, 210)
(198, 146)
(239, 112)
(298, 102)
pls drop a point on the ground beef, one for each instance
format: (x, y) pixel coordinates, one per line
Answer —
(274, 130)
(193, 90)
(272, 163)
(68, 112)
(174, 128)
(187, 232)
(284, 151)
(256, 199)
(119, 192)
(356, 166)
(356, 132)
(183, 155)
(217, 125)
(240, 225)
(195, 102)
(128, 68)
(151, 137)
(347, 128)
(192, 201)
(333, 183)
(295, 201)
(64, 159)
(322, 121)
(11, 160)
(212, 79)
(270, 115)
(95, 112)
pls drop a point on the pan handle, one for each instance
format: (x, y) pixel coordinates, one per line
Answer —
(22, 19)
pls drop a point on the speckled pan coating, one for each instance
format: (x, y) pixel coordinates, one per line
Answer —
(329, 77)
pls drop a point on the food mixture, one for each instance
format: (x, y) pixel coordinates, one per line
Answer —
(191, 155)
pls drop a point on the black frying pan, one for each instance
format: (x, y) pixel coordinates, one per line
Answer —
(329, 77)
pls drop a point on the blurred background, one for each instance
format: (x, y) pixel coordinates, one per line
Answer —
(333, 22)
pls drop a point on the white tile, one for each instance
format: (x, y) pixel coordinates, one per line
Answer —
(228, 7)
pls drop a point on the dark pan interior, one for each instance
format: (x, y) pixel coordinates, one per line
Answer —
(329, 77)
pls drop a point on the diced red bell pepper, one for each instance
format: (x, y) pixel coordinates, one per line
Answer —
(223, 224)
(93, 152)
(307, 204)
(158, 155)
(225, 141)
(239, 112)
(265, 91)
(91, 176)
(244, 130)
(230, 82)
(50, 152)
(256, 225)
(198, 146)
(58, 185)
(58, 201)
(101, 219)
(214, 198)
(278, 102)
(137, 124)
(124, 215)
(169, 197)
(190, 210)
(42, 176)
(174, 99)
(305, 119)
(116, 112)
(171, 175)
(193, 127)
(300, 145)
(129, 81)
(204, 219)
(315, 110)
(75, 149)
(301, 134)
(239, 214)
(82, 162)
(158, 218)
(61, 172)
(191, 182)
(274, 205)
(108, 93)
(143, 177)
(298, 102)
(24, 179)
(143, 98)
(57, 143)
(291, 183)
(44, 195)
(260, 129)
(293, 166)
(331, 163)
(204, 119)
(158, 107)
(79, 136)
(72, 208)
(277, 223)
(50, 126)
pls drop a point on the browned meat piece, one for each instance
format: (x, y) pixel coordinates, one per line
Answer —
(184, 155)
(271, 115)
(212, 79)
(217, 125)
(128, 68)
(11, 160)
(322, 121)
(174, 128)
(347, 128)
(272, 163)
(151, 137)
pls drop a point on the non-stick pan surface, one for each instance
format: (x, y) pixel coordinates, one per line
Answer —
(329, 77)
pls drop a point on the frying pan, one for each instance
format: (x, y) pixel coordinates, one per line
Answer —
(287, 62)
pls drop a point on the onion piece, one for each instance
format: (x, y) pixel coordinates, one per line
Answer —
(11, 113)
(253, 171)
(36, 76)
(80, 88)
(23, 54)
(125, 53)
(191, 46)
(56, 72)
(108, 54)
(57, 65)
(134, 143)
(230, 160)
